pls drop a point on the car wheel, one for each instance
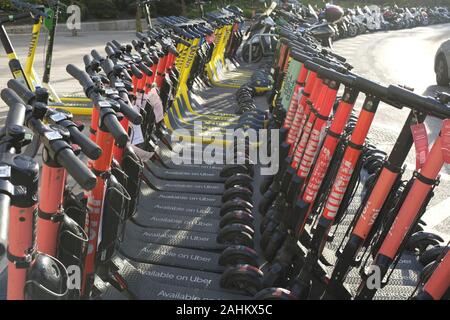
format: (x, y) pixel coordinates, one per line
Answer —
(442, 78)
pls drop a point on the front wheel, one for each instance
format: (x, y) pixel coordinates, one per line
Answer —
(256, 53)
(442, 77)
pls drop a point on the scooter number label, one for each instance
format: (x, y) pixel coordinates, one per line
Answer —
(58, 117)
(53, 135)
(5, 172)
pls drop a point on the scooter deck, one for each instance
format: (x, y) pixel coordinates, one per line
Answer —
(183, 186)
(141, 251)
(192, 174)
(152, 200)
(176, 222)
(176, 238)
(143, 285)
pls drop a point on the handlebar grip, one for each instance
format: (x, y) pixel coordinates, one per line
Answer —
(148, 60)
(22, 91)
(371, 87)
(89, 148)
(334, 55)
(10, 97)
(108, 66)
(180, 40)
(136, 72)
(300, 57)
(83, 78)
(132, 115)
(426, 105)
(77, 169)
(115, 128)
(336, 76)
(116, 43)
(88, 59)
(97, 55)
(145, 69)
(126, 75)
(16, 115)
(310, 65)
(110, 51)
(135, 43)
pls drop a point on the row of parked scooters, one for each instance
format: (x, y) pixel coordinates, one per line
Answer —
(360, 20)
(148, 227)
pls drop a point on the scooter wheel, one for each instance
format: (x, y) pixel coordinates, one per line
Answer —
(267, 234)
(243, 278)
(231, 170)
(241, 217)
(275, 294)
(273, 245)
(266, 201)
(275, 275)
(421, 241)
(236, 234)
(238, 255)
(236, 205)
(239, 180)
(237, 193)
(265, 185)
(432, 254)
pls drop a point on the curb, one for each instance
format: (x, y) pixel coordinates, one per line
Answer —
(113, 25)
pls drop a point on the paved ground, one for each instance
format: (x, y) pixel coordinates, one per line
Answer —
(401, 57)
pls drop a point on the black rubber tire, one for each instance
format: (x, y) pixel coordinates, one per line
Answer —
(237, 193)
(242, 217)
(236, 205)
(275, 294)
(442, 77)
(242, 278)
(236, 235)
(238, 255)
(239, 180)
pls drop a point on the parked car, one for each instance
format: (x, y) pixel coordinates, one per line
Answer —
(442, 64)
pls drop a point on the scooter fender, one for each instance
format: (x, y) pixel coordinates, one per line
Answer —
(422, 238)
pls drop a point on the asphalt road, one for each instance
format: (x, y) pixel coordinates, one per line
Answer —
(398, 57)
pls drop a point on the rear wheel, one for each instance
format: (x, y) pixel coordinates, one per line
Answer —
(442, 78)
(256, 53)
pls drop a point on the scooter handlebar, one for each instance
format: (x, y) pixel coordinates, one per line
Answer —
(136, 72)
(97, 55)
(23, 92)
(88, 59)
(16, 112)
(77, 169)
(115, 128)
(88, 147)
(10, 97)
(132, 115)
(83, 78)
(145, 69)
(110, 51)
(423, 104)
